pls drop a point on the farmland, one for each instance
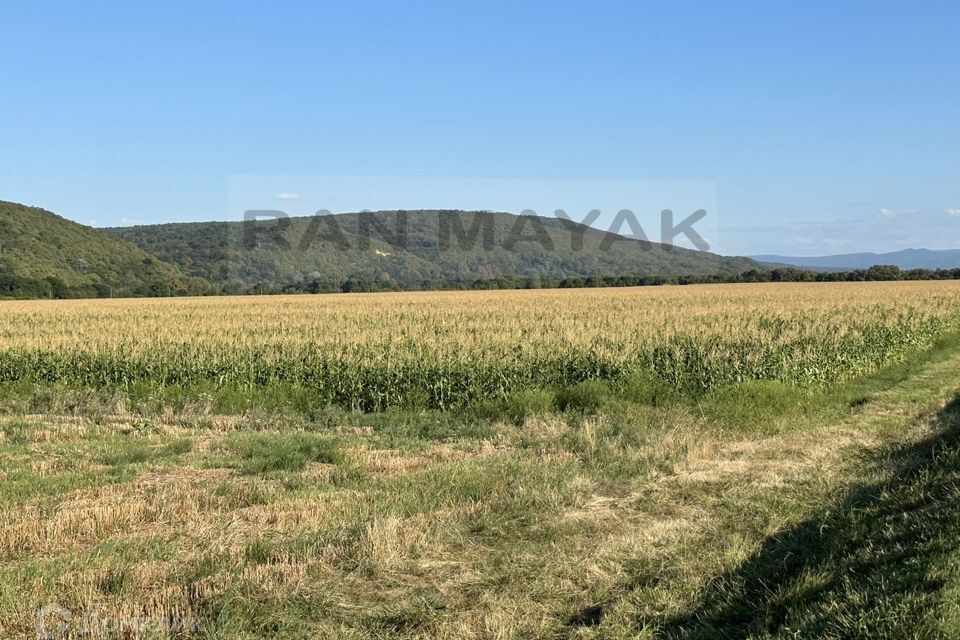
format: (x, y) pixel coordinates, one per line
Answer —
(695, 461)
(447, 350)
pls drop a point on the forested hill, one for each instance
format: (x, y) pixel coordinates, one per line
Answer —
(43, 255)
(408, 249)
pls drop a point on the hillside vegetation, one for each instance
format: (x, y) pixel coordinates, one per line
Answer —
(44, 255)
(409, 249)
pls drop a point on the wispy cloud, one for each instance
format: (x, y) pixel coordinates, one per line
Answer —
(893, 213)
(285, 195)
(953, 211)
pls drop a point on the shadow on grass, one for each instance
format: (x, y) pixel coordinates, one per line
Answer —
(872, 566)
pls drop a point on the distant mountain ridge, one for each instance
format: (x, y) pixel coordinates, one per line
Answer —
(44, 255)
(409, 248)
(905, 259)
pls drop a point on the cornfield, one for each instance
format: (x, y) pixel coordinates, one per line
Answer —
(444, 350)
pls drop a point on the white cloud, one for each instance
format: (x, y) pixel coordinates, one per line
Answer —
(130, 221)
(953, 211)
(893, 213)
(284, 195)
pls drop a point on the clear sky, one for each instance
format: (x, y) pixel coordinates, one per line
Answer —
(825, 126)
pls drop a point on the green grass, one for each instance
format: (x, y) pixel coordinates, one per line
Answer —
(126, 451)
(260, 453)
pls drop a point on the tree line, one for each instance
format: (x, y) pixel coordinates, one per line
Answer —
(13, 286)
(368, 283)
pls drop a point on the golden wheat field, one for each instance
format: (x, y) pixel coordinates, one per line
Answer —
(443, 350)
(467, 323)
(554, 464)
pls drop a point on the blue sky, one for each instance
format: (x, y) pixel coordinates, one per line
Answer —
(825, 127)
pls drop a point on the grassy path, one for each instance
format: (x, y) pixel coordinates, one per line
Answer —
(882, 561)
